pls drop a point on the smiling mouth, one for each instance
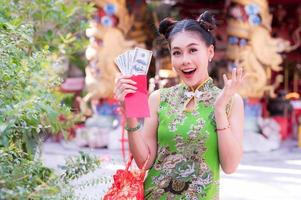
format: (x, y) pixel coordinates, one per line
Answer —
(188, 71)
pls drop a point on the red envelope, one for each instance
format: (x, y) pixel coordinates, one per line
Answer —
(136, 104)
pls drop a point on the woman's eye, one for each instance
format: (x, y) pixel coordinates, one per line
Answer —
(176, 53)
(193, 50)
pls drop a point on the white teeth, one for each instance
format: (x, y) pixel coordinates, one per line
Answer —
(188, 70)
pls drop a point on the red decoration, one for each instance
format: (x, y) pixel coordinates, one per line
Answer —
(101, 12)
(127, 184)
(283, 122)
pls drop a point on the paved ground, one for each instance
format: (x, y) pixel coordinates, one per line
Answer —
(274, 175)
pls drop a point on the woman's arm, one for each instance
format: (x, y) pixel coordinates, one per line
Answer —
(141, 142)
(230, 139)
(230, 130)
(144, 140)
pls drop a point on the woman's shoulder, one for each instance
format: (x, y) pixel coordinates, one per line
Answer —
(154, 99)
(155, 95)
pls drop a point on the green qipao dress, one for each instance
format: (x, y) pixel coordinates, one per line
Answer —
(187, 163)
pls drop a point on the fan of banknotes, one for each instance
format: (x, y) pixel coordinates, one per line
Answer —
(134, 62)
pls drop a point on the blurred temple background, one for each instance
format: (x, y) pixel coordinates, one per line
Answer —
(261, 36)
(80, 40)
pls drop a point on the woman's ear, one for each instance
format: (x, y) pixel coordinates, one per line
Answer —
(210, 52)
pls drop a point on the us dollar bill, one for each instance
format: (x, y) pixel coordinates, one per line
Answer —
(141, 61)
(134, 62)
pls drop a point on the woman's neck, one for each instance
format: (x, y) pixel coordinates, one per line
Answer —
(200, 83)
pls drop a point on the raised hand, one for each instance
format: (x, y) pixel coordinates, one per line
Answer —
(231, 86)
(123, 86)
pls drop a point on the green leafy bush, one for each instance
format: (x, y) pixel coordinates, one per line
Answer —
(33, 36)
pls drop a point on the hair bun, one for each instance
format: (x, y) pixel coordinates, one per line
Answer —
(166, 26)
(207, 21)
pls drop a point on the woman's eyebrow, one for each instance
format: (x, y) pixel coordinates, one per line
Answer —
(191, 44)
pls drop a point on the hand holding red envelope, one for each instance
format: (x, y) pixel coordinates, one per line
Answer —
(136, 63)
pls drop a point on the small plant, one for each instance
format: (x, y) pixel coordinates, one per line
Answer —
(78, 166)
(22, 178)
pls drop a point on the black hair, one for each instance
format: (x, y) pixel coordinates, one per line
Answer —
(203, 26)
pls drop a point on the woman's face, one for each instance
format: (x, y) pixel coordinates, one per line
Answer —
(190, 56)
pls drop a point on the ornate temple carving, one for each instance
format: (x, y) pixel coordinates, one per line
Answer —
(251, 46)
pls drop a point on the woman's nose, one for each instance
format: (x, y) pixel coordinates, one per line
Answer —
(185, 59)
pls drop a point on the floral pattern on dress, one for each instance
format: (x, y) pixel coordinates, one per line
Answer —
(183, 172)
(195, 128)
(173, 98)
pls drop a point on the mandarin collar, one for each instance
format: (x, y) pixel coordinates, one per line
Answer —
(202, 86)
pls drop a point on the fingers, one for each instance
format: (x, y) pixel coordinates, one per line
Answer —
(123, 86)
(126, 86)
(124, 79)
(234, 71)
(120, 77)
(121, 96)
(125, 83)
(225, 79)
(244, 76)
(236, 80)
(239, 74)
